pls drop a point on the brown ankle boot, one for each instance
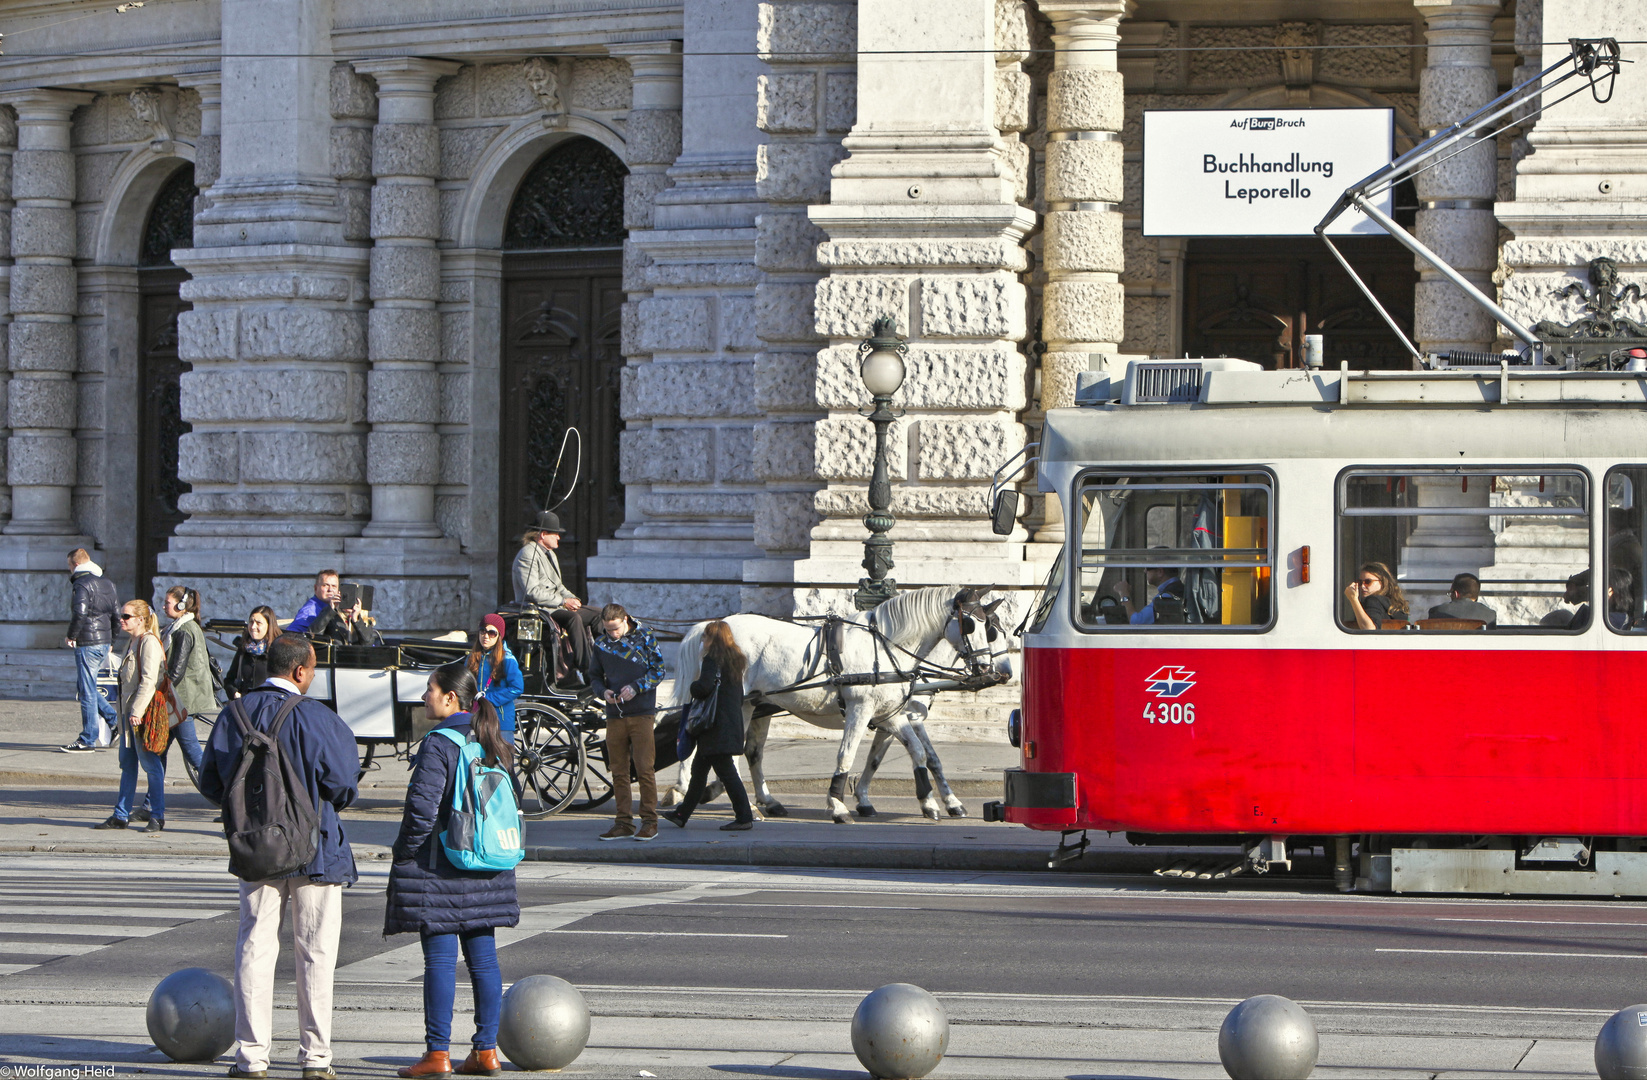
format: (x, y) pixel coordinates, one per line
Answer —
(481, 1063)
(435, 1063)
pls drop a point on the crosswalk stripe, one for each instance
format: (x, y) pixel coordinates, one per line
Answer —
(104, 910)
(47, 948)
(74, 930)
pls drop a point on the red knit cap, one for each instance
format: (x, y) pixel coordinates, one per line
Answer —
(495, 622)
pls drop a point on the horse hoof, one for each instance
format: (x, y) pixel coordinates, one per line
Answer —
(931, 814)
(842, 819)
(865, 810)
(775, 810)
(957, 810)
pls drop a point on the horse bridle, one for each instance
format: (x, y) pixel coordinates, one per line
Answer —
(967, 614)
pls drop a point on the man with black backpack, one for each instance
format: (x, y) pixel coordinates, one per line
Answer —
(283, 766)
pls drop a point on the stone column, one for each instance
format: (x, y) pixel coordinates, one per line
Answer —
(277, 336)
(1455, 217)
(924, 226)
(208, 145)
(805, 102)
(41, 450)
(8, 144)
(1081, 243)
(403, 329)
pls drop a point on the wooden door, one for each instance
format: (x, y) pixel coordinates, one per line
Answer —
(1256, 299)
(561, 365)
(160, 418)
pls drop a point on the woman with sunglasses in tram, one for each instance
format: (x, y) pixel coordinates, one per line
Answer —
(496, 672)
(1375, 597)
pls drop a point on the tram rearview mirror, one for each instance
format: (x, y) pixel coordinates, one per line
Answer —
(1004, 514)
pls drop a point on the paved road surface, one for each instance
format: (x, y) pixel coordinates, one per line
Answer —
(711, 972)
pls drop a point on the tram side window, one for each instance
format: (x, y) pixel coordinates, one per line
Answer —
(1503, 549)
(1174, 551)
(1621, 594)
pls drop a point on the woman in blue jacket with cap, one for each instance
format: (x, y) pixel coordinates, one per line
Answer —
(497, 674)
(448, 907)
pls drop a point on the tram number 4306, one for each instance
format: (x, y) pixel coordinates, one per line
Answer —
(1176, 713)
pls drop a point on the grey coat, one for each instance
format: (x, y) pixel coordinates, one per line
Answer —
(537, 578)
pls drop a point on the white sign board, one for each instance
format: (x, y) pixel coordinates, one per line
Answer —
(1240, 172)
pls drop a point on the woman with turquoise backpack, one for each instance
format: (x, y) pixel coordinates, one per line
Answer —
(497, 674)
(430, 894)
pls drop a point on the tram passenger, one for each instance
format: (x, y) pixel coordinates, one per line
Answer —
(1464, 602)
(250, 667)
(537, 580)
(1620, 597)
(496, 672)
(1375, 597)
(1577, 593)
(1167, 586)
(326, 594)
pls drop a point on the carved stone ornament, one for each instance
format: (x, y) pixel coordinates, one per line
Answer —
(573, 197)
(543, 76)
(1601, 319)
(150, 106)
(1298, 40)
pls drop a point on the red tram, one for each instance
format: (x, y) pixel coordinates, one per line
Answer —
(1195, 671)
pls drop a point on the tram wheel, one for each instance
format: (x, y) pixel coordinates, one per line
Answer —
(549, 755)
(596, 786)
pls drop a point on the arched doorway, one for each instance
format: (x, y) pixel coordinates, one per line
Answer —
(562, 305)
(170, 224)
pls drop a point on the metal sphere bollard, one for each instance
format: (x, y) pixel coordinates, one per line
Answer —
(545, 1023)
(1268, 1038)
(900, 1032)
(1621, 1047)
(191, 1015)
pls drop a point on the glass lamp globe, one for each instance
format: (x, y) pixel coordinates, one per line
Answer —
(882, 371)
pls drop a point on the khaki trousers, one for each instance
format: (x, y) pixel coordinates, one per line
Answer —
(630, 739)
(317, 917)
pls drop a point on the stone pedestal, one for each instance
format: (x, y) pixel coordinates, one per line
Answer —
(1455, 216)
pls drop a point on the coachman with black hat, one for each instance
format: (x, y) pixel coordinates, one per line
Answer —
(538, 581)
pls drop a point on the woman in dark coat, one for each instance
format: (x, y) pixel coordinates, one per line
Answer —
(250, 667)
(447, 906)
(723, 666)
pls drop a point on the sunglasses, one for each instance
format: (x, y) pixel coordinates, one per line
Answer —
(488, 632)
(129, 618)
(1368, 581)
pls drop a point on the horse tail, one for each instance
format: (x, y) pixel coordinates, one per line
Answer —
(687, 659)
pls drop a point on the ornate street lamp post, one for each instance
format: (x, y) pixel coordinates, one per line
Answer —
(881, 366)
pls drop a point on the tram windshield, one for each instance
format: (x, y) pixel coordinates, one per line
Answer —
(1621, 594)
(1464, 549)
(1176, 550)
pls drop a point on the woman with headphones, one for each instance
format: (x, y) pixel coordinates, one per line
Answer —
(188, 667)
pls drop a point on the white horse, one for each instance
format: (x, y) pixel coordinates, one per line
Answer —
(788, 672)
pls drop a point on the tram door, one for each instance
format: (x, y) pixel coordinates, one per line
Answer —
(562, 303)
(160, 416)
(1256, 299)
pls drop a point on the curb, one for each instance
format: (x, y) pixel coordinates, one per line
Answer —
(849, 857)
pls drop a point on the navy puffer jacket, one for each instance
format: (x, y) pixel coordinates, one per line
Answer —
(427, 894)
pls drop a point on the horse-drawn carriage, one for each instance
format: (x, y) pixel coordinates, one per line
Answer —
(377, 690)
(869, 673)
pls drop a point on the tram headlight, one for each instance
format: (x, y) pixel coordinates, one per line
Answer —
(529, 630)
(1015, 727)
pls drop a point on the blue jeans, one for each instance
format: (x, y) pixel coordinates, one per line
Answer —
(184, 733)
(88, 660)
(132, 751)
(480, 953)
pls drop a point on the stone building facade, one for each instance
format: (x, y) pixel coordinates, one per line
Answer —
(292, 284)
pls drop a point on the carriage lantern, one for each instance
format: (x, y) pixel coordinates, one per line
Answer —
(529, 630)
(881, 366)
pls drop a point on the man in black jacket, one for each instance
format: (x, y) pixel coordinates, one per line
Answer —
(92, 615)
(323, 750)
(625, 674)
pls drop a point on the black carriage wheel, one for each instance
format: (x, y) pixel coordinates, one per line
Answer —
(549, 756)
(203, 731)
(596, 788)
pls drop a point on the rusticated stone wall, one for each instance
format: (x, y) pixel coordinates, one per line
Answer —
(807, 101)
(8, 147)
